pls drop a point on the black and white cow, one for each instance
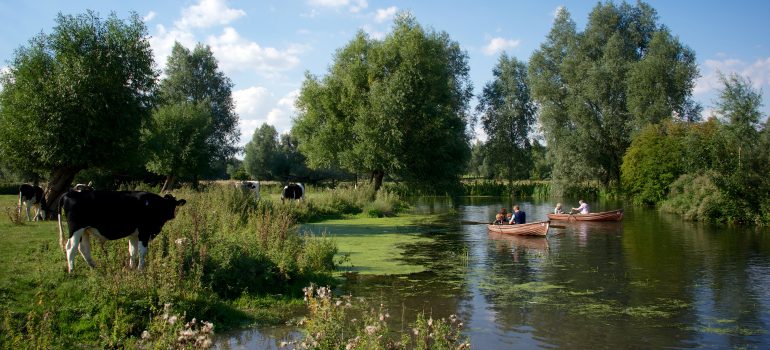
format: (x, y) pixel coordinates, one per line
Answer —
(110, 215)
(252, 186)
(30, 195)
(293, 191)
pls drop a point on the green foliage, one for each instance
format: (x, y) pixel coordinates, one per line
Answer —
(507, 117)
(77, 98)
(176, 139)
(395, 106)
(652, 163)
(194, 76)
(261, 153)
(596, 88)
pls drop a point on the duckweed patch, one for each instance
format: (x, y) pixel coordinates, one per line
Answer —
(375, 246)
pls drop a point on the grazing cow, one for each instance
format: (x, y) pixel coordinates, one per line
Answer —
(110, 215)
(30, 195)
(293, 191)
(252, 186)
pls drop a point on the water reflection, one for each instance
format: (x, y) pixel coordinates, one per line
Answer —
(650, 281)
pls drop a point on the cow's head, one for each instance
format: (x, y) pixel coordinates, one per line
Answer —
(168, 206)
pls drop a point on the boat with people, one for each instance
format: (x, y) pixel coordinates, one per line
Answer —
(538, 228)
(612, 215)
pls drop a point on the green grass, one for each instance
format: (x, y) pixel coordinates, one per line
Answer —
(241, 262)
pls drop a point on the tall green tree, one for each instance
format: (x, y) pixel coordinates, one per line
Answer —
(261, 153)
(77, 98)
(507, 117)
(176, 140)
(622, 72)
(194, 76)
(397, 106)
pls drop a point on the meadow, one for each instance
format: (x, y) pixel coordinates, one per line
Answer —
(226, 261)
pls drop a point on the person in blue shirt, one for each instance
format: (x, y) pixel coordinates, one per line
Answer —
(519, 216)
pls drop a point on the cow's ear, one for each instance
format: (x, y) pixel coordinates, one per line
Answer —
(180, 202)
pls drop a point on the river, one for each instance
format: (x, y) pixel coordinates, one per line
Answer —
(649, 281)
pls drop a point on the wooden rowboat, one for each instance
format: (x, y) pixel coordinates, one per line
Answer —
(539, 228)
(613, 215)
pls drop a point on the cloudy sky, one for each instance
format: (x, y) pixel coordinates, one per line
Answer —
(266, 47)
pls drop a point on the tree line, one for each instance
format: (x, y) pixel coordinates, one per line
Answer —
(611, 102)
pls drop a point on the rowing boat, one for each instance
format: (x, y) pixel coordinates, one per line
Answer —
(613, 215)
(539, 228)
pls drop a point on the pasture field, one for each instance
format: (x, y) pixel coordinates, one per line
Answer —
(226, 258)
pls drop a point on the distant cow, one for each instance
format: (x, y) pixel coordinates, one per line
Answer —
(30, 195)
(293, 191)
(113, 215)
(252, 186)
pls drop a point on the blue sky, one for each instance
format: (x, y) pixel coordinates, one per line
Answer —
(265, 47)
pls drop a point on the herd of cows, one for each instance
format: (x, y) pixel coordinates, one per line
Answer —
(111, 215)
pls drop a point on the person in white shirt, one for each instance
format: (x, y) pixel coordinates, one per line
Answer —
(583, 208)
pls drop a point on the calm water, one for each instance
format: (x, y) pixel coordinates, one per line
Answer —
(650, 281)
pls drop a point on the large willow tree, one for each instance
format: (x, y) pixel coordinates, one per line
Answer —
(599, 87)
(77, 98)
(397, 106)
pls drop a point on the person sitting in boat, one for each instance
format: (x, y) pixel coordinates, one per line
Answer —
(583, 208)
(558, 210)
(519, 216)
(499, 219)
(509, 218)
(503, 212)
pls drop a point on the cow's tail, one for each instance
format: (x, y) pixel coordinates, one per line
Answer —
(61, 231)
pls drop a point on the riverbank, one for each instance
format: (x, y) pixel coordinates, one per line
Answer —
(226, 259)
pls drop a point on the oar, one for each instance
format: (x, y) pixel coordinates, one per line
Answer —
(468, 222)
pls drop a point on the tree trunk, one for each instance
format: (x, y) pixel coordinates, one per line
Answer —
(169, 184)
(377, 176)
(58, 185)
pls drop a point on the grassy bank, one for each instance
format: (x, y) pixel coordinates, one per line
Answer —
(227, 259)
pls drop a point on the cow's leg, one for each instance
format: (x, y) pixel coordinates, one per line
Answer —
(133, 248)
(142, 254)
(72, 248)
(85, 247)
(27, 204)
(37, 212)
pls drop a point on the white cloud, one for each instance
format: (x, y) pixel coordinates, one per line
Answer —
(149, 16)
(235, 53)
(500, 44)
(353, 6)
(383, 15)
(256, 106)
(208, 13)
(758, 72)
(373, 33)
(163, 41)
